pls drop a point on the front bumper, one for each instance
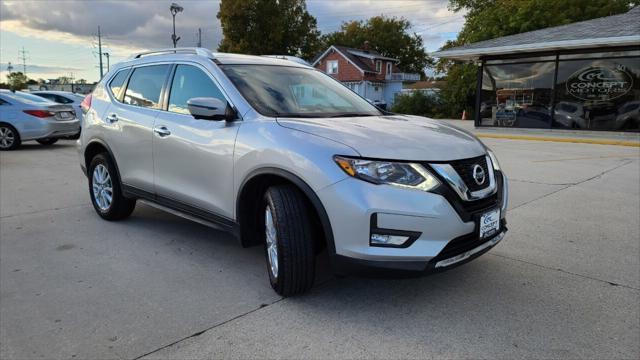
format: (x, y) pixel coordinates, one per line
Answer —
(447, 226)
(469, 248)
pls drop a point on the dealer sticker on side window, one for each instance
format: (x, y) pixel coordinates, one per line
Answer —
(489, 223)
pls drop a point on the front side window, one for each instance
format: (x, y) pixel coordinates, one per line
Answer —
(296, 92)
(145, 86)
(388, 68)
(190, 82)
(378, 66)
(332, 67)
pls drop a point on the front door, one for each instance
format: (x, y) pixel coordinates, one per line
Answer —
(193, 159)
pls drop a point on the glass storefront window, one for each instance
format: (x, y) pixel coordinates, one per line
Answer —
(598, 94)
(517, 95)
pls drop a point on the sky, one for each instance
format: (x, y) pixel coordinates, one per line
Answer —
(59, 37)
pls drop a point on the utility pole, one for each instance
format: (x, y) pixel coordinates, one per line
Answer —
(23, 54)
(199, 37)
(106, 54)
(100, 52)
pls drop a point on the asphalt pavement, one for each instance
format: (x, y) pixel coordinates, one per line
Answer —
(565, 282)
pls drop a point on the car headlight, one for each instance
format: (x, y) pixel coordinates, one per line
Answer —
(494, 160)
(408, 175)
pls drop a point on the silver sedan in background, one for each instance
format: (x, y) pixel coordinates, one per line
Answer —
(25, 117)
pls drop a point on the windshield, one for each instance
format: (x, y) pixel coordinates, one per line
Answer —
(285, 91)
(22, 97)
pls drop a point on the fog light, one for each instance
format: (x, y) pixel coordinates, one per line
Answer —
(383, 239)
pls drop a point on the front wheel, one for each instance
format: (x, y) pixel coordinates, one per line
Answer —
(106, 194)
(47, 141)
(289, 240)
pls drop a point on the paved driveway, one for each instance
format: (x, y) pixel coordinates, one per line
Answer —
(565, 283)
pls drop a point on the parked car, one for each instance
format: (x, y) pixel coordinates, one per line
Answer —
(570, 115)
(628, 116)
(221, 139)
(24, 116)
(64, 97)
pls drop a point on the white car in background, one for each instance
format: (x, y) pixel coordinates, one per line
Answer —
(25, 116)
(63, 97)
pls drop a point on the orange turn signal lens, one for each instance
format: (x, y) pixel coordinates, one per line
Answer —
(345, 165)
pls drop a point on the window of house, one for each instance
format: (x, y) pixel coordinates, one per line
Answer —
(190, 82)
(332, 67)
(145, 85)
(378, 66)
(389, 68)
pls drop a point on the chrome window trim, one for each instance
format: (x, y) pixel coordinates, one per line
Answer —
(453, 178)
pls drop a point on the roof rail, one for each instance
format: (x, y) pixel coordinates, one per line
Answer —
(188, 50)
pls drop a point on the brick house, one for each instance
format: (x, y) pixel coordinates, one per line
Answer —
(368, 73)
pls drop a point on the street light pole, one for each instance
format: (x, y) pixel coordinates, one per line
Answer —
(175, 9)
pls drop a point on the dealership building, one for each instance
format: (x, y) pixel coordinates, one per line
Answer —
(584, 75)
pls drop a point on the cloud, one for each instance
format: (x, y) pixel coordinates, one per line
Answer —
(128, 25)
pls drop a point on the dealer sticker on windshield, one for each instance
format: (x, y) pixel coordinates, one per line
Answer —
(489, 223)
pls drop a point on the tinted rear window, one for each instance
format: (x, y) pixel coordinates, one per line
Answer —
(117, 82)
(145, 85)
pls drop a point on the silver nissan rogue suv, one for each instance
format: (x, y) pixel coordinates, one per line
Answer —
(281, 155)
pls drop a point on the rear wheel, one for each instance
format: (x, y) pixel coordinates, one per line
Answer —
(289, 241)
(47, 141)
(9, 137)
(105, 190)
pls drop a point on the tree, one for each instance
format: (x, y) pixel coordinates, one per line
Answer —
(488, 19)
(263, 27)
(389, 36)
(17, 80)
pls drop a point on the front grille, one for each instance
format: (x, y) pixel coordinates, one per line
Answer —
(464, 168)
(482, 204)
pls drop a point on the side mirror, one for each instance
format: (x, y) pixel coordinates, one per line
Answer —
(209, 108)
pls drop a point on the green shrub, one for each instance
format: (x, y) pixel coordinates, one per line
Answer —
(418, 103)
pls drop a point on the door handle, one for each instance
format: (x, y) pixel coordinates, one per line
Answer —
(111, 118)
(161, 131)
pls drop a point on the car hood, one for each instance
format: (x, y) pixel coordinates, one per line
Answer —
(398, 137)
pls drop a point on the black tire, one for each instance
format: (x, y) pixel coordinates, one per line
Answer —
(8, 132)
(295, 240)
(47, 141)
(120, 206)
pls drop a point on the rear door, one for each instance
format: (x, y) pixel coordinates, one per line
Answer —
(130, 123)
(193, 159)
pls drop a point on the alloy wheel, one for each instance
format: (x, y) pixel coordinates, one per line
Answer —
(272, 242)
(7, 137)
(102, 187)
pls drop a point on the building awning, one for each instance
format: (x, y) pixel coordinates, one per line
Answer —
(610, 31)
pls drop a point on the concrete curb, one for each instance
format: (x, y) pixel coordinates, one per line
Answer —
(561, 139)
